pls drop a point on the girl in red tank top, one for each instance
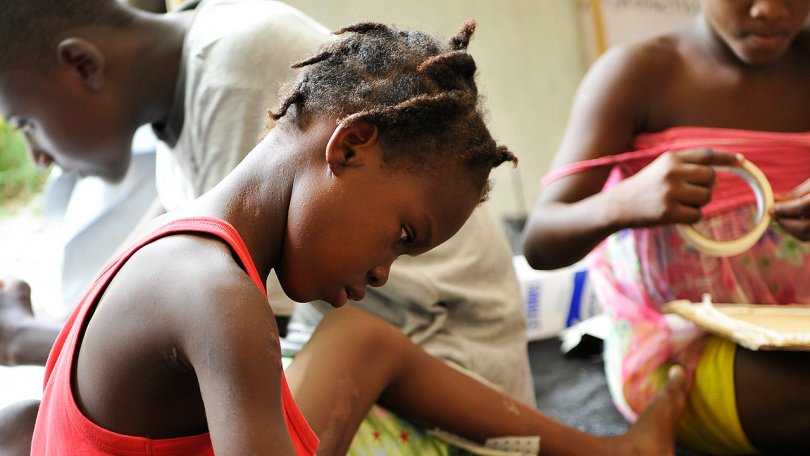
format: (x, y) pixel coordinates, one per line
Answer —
(378, 150)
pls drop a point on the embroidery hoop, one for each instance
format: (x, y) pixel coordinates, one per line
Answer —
(754, 326)
(763, 192)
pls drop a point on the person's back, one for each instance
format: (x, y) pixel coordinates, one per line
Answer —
(235, 57)
(649, 121)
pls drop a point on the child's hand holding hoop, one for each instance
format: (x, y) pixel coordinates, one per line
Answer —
(765, 200)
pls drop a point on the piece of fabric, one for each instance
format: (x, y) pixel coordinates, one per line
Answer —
(62, 429)
(236, 55)
(636, 271)
(384, 433)
(780, 156)
(710, 423)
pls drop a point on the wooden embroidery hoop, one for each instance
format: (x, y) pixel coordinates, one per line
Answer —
(764, 196)
(754, 326)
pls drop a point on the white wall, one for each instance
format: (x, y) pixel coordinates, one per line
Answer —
(530, 62)
(625, 21)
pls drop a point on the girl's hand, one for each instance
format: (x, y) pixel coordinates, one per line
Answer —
(671, 189)
(15, 312)
(792, 211)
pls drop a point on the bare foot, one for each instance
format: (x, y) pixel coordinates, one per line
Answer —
(654, 431)
(15, 311)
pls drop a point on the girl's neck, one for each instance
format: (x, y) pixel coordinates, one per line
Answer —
(712, 42)
(254, 198)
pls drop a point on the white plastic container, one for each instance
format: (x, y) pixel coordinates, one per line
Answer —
(554, 300)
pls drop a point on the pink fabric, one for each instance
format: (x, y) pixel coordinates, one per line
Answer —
(636, 271)
(779, 155)
(62, 429)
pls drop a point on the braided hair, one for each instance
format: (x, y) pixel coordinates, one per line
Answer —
(419, 92)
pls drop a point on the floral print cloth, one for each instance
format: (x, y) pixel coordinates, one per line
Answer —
(637, 271)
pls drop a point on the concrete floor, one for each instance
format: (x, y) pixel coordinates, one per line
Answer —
(573, 390)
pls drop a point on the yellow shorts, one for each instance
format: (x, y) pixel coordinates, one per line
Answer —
(710, 423)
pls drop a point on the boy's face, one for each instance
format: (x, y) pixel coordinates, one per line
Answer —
(345, 234)
(759, 32)
(65, 124)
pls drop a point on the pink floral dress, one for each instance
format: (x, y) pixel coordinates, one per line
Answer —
(636, 271)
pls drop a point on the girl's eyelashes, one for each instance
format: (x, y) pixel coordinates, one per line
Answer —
(405, 235)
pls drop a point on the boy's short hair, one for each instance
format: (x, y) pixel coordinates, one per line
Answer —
(30, 28)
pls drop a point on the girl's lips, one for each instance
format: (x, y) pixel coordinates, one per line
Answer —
(766, 40)
(342, 299)
(347, 293)
(355, 294)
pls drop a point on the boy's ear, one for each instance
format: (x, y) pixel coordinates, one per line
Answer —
(83, 57)
(350, 146)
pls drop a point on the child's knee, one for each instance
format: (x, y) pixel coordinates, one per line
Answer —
(363, 331)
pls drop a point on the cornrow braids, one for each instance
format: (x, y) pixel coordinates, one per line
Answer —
(419, 92)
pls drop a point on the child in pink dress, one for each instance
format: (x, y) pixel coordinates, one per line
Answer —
(649, 123)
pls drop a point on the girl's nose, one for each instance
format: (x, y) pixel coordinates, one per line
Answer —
(40, 158)
(769, 9)
(378, 275)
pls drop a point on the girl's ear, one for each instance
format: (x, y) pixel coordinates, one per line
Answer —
(83, 58)
(350, 146)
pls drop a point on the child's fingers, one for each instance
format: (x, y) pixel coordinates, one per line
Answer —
(793, 208)
(797, 227)
(701, 175)
(793, 213)
(675, 390)
(697, 194)
(710, 157)
(801, 190)
(676, 379)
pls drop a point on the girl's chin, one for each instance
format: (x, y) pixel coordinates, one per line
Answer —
(340, 300)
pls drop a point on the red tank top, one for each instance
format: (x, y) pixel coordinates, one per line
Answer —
(62, 429)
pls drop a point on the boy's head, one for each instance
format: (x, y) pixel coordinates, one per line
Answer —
(410, 156)
(419, 92)
(757, 32)
(30, 29)
(52, 72)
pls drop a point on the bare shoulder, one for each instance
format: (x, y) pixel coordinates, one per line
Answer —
(226, 336)
(640, 64)
(190, 294)
(204, 282)
(617, 98)
(180, 314)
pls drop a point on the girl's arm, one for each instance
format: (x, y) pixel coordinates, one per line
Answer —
(571, 215)
(618, 98)
(231, 341)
